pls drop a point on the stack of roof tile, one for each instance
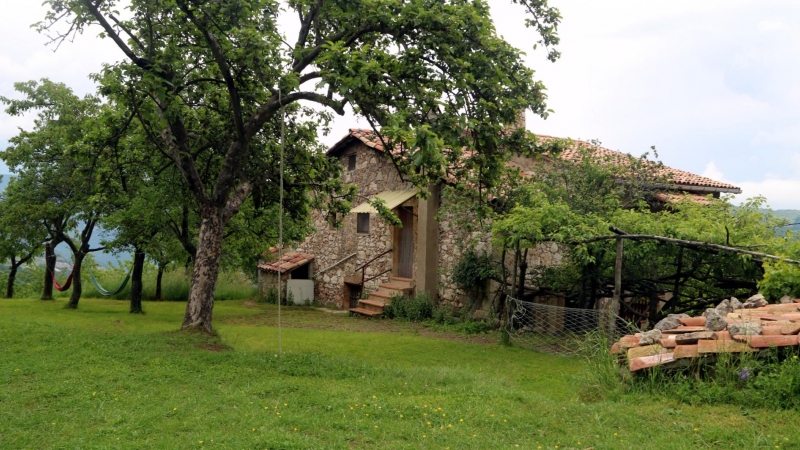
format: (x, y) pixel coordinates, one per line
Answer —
(747, 328)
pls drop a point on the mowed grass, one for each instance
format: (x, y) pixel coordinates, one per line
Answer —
(99, 377)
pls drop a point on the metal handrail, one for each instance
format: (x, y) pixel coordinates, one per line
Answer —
(371, 261)
(337, 263)
(373, 277)
(363, 268)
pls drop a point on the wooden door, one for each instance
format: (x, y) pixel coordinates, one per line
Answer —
(405, 258)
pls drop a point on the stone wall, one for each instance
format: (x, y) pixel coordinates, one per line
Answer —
(454, 241)
(374, 173)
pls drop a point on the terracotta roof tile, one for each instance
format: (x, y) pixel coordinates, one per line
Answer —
(288, 262)
(682, 179)
(679, 177)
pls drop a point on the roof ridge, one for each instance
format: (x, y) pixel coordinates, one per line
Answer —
(680, 178)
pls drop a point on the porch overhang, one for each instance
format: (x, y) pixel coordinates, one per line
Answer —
(392, 199)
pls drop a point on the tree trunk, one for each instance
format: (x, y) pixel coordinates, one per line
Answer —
(12, 275)
(136, 282)
(77, 288)
(206, 268)
(158, 280)
(50, 268)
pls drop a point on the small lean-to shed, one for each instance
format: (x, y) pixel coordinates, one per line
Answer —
(291, 266)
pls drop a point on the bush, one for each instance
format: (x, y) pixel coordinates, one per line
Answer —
(416, 308)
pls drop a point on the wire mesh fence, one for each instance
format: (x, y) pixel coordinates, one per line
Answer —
(561, 330)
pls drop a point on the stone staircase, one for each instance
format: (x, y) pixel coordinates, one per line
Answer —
(373, 306)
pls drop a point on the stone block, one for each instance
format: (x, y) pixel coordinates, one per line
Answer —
(692, 338)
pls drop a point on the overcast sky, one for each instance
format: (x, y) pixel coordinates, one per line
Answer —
(712, 84)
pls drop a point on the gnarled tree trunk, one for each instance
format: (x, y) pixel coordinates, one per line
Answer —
(206, 268)
(12, 275)
(77, 287)
(136, 282)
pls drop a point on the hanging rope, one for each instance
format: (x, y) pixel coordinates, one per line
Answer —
(280, 226)
(107, 293)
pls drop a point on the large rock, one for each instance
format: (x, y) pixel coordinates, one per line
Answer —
(755, 301)
(692, 338)
(724, 308)
(670, 322)
(650, 337)
(745, 329)
(735, 303)
(714, 321)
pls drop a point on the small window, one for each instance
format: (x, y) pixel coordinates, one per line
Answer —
(362, 223)
(351, 163)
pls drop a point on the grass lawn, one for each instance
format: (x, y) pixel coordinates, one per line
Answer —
(99, 377)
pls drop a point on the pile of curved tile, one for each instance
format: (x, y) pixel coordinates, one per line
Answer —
(732, 326)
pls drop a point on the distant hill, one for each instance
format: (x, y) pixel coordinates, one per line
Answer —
(62, 251)
(792, 215)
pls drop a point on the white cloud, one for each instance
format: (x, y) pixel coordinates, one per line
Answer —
(771, 25)
(780, 193)
(712, 172)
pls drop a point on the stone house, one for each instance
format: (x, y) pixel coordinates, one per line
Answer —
(367, 260)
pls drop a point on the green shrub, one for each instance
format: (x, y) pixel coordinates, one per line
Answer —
(271, 296)
(416, 308)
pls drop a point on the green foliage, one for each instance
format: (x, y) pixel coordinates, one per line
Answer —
(416, 308)
(473, 270)
(576, 204)
(233, 285)
(270, 297)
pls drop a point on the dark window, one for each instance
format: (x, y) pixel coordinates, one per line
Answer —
(351, 163)
(302, 273)
(362, 223)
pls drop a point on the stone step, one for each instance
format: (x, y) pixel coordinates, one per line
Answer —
(372, 305)
(396, 288)
(365, 312)
(381, 294)
(406, 282)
